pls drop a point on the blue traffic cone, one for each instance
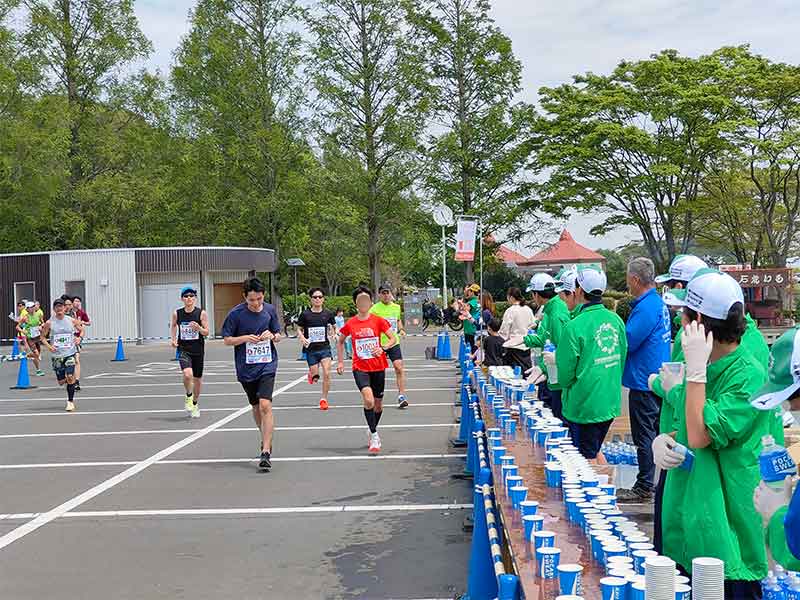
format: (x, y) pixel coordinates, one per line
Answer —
(15, 353)
(461, 350)
(438, 345)
(509, 587)
(23, 379)
(447, 353)
(120, 355)
(481, 578)
(472, 447)
(461, 440)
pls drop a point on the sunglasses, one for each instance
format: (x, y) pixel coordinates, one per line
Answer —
(189, 296)
(317, 297)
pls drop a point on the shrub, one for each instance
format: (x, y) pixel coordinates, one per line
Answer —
(624, 308)
(331, 303)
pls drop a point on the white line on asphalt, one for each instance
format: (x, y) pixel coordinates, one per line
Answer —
(213, 395)
(60, 510)
(230, 381)
(84, 413)
(203, 512)
(204, 461)
(218, 429)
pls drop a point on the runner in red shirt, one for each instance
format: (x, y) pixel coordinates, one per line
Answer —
(369, 359)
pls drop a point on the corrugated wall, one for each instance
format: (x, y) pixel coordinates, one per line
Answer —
(19, 268)
(159, 260)
(112, 307)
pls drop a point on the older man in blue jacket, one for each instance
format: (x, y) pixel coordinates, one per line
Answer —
(648, 331)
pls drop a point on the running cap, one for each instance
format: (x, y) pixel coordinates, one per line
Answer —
(783, 378)
(565, 280)
(188, 289)
(592, 280)
(29, 304)
(541, 282)
(475, 288)
(682, 268)
(385, 287)
(58, 302)
(710, 293)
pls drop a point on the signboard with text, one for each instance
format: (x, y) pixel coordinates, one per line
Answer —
(465, 240)
(755, 278)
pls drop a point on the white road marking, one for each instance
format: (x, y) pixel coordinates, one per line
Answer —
(217, 429)
(229, 380)
(204, 461)
(239, 393)
(84, 413)
(205, 512)
(71, 504)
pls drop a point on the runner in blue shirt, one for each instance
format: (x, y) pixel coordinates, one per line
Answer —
(252, 328)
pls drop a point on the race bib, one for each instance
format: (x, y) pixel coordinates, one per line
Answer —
(187, 333)
(63, 342)
(393, 323)
(365, 347)
(35, 332)
(316, 334)
(259, 352)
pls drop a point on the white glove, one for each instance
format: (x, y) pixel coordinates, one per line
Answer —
(696, 350)
(651, 380)
(768, 500)
(664, 456)
(669, 379)
(549, 358)
(534, 374)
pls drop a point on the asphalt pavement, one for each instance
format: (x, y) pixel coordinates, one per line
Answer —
(130, 498)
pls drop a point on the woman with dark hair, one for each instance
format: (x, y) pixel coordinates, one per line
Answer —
(517, 320)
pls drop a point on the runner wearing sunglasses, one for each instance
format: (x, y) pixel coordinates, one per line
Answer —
(314, 328)
(188, 330)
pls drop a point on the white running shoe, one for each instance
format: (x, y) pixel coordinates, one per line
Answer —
(195, 411)
(374, 443)
(70, 406)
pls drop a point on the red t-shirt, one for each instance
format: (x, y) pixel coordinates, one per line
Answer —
(366, 336)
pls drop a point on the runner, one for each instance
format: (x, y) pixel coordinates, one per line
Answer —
(390, 310)
(348, 347)
(369, 359)
(63, 348)
(187, 331)
(30, 329)
(314, 327)
(252, 327)
(80, 314)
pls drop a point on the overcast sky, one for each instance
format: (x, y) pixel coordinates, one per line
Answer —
(556, 39)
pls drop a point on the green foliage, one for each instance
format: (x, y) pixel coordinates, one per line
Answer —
(500, 309)
(623, 308)
(331, 303)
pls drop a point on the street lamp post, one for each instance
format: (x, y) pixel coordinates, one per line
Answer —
(295, 263)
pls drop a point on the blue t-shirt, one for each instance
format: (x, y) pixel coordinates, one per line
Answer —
(263, 358)
(649, 330)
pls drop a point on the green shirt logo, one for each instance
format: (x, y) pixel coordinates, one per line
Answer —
(607, 338)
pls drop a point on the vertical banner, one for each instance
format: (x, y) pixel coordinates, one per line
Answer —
(465, 240)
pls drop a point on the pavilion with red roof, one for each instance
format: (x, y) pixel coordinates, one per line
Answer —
(566, 252)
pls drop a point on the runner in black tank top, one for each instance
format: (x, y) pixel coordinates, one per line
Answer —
(188, 329)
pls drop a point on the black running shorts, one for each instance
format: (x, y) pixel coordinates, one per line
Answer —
(260, 388)
(191, 361)
(394, 353)
(371, 379)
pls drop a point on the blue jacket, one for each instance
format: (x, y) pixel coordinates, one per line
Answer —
(648, 330)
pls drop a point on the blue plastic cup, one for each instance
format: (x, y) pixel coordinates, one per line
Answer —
(510, 471)
(613, 588)
(548, 559)
(518, 494)
(588, 482)
(609, 489)
(639, 556)
(570, 579)
(529, 507)
(511, 427)
(530, 523)
(683, 592)
(638, 591)
(499, 452)
(511, 482)
(544, 539)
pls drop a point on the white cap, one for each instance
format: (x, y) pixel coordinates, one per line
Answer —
(29, 304)
(592, 280)
(682, 268)
(541, 282)
(712, 293)
(566, 283)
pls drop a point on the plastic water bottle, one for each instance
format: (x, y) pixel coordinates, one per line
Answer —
(775, 462)
(771, 589)
(552, 370)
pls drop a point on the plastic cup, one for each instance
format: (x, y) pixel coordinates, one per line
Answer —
(570, 579)
(529, 507)
(548, 559)
(518, 494)
(529, 522)
(639, 556)
(613, 588)
(683, 592)
(511, 482)
(638, 590)
(544, 539)
(499, 452)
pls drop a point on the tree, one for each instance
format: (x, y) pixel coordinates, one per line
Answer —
(371, 109)
(635, 145)
(482, 140)
(238, 93)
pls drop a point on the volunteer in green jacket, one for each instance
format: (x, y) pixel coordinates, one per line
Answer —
(708, 510)
(565, 286)
(473, 313)
(555, 316)
(590, 360)
(390, 310)
(780, 508)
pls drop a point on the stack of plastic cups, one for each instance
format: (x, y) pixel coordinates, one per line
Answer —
(708, 579)
(639, 558)
(659, 573)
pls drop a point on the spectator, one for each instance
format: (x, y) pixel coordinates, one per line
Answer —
(517, 320)
(487, 307)
(471, 314)
(648, 332)
(589, 362)
(493, 351)
(555, 316)
(708, 510)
